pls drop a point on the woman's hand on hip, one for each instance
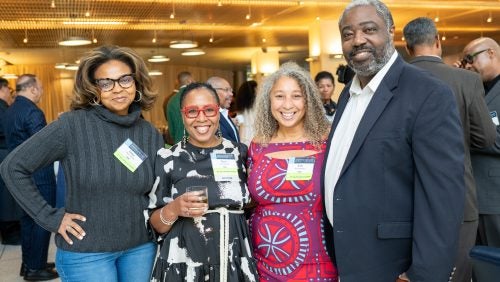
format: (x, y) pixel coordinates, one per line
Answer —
(69, 225)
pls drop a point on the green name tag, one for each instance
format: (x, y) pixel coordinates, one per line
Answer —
(300, 168)
(130, 155)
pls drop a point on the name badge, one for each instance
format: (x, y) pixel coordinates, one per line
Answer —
(224, 166)
(300, 168)
(130, 155)
(494, 118)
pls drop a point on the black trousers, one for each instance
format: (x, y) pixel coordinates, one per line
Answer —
(34, 239)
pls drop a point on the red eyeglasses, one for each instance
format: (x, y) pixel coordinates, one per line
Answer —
(210, 110)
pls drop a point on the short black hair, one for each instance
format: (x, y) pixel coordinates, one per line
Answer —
(324, 74)
(420, 31)
(197, 85)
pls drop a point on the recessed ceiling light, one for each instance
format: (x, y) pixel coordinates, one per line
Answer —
(158, 59)
(183, 44)
(155, 73)
(75, 41)
(193, 52)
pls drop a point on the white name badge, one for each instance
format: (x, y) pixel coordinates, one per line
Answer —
(300, 168)
(494, 118)
(224, 166)
(130, 155)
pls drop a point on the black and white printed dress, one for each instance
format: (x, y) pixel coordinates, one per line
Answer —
(192, 249)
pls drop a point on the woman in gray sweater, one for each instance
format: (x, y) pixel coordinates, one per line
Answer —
(107, 152)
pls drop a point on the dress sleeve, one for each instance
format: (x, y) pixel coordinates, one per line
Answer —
(161, 193)
(41, 150)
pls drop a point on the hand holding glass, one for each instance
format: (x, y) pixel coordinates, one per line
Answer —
(201, 193)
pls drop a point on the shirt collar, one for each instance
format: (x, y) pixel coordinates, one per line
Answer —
(375, 81)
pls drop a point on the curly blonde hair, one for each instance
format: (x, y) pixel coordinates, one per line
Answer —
(316, 125)
(85, 90)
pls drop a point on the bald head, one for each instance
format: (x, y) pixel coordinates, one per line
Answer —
(224, 90)
(485, 55)
(29, 86)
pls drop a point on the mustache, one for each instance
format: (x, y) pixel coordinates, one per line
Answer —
(361, 49)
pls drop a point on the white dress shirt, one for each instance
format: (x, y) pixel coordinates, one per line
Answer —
(346, 128)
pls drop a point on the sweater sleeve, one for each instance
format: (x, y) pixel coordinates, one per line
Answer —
(17, 169)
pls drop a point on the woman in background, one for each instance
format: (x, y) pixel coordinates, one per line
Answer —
(285, 160)
(326, 84)
(245, 98)
(200, 241)
(107, 153)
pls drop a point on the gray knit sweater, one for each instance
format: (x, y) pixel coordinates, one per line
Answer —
(98, 185)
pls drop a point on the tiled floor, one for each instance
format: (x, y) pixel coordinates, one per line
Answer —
(10, 262)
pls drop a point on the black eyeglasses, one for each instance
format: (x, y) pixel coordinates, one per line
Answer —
(107, 84)
(469, 58)
(210, 110)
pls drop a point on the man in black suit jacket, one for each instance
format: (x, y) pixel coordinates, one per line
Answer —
(482, 55)
(227, 128)
(394, 173)
(423, 44)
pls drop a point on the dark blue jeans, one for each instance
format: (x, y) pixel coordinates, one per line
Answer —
(35, 239)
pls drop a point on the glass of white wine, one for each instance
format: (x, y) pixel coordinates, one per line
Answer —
(202, 193)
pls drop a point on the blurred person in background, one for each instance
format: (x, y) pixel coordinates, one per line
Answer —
(10, 212)
(245, 99)
(22, 120)
(326, 84)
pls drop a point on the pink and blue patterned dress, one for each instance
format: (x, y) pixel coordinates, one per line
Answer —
(287, 225)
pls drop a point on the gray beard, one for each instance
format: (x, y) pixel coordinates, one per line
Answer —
(375, 65)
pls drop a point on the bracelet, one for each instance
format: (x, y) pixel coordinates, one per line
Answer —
(166, 221)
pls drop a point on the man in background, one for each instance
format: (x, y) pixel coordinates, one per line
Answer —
(10, 212)
(482, 55)
(394, 168)
(225, 92)
(173, 109)
(22, 120)
(424, 46)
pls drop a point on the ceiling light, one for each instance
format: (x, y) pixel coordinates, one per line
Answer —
(9, 76)
(183, 44)
(193, 52)
(219, 3)
(25, 40)
(72, 67)
(158, 59)
(436, 19)
(53, 4)
(95, 23)
(60, 66)
(75, 41)
(490, 18)
(155, 73)
(211, 40)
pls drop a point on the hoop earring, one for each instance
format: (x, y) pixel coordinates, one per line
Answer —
(95, 101)
(140, 96)
(185, 138)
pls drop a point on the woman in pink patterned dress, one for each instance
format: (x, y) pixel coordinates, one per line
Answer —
(285, 160)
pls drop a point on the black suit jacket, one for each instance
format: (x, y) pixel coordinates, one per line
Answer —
(479, 130)
(398, 203)
(486, 163)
